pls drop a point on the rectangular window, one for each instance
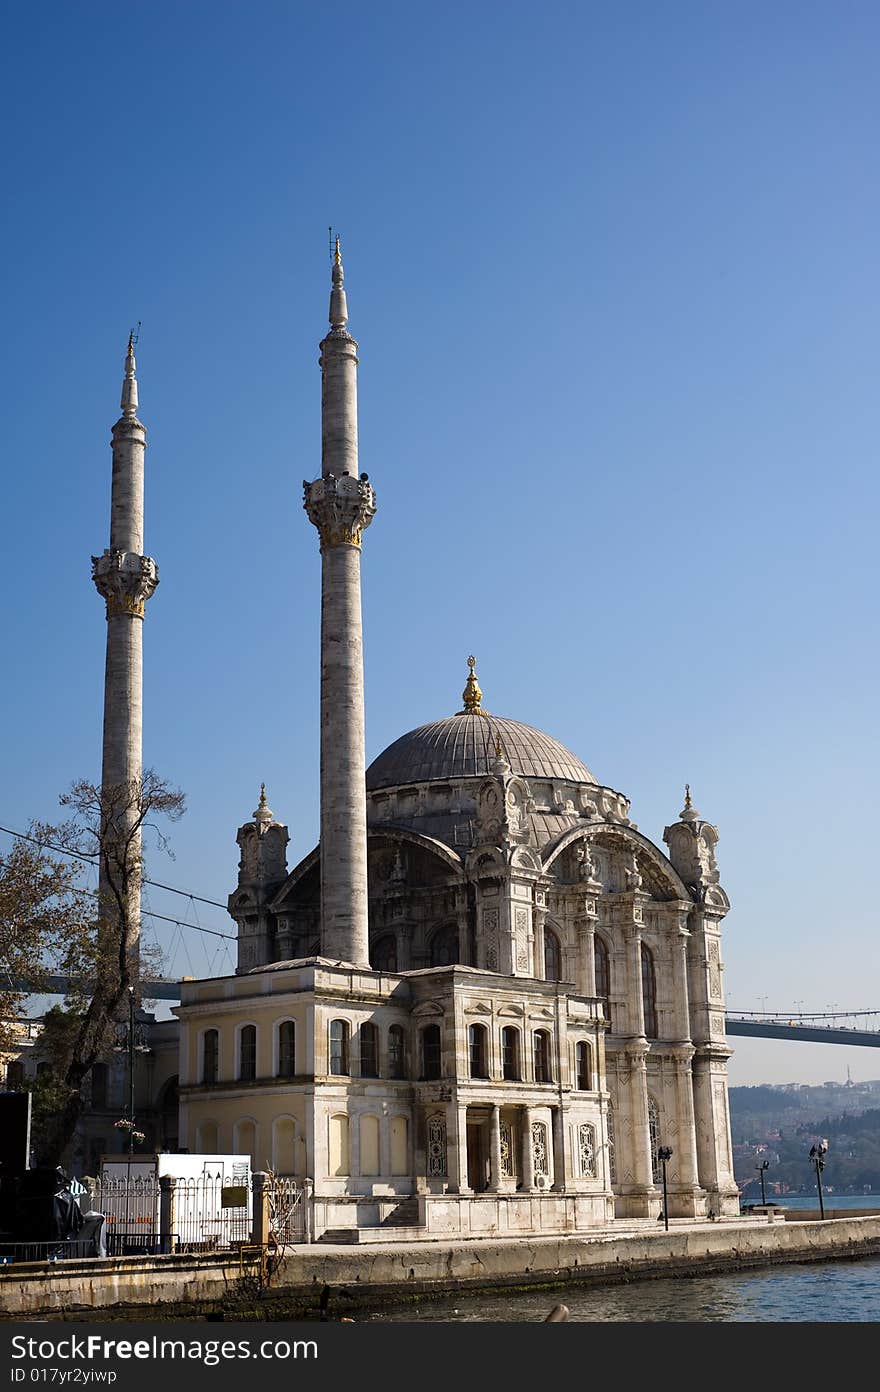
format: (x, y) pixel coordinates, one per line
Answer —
(369, 1051)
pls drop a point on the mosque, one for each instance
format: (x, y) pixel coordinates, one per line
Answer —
(485, 1002)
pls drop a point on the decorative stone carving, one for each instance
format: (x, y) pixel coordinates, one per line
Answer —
(540, 1159)
(125, 580)
(340, 508)
(587, 1149)
(435, 1146)
(506, 1135)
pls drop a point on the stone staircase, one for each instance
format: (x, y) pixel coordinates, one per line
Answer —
(400, 1224)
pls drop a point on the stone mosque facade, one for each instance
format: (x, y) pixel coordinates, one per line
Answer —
(485, 1001)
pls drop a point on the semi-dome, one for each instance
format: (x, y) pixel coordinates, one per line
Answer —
(465, 745)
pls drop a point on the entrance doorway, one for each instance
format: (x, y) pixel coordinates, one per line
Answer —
(477, 1157)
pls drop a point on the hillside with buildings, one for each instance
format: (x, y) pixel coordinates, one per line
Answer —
(778, 1124)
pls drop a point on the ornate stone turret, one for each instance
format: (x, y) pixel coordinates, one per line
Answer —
(341, 504)
(262, 869)
(692, 843)
(126, 579)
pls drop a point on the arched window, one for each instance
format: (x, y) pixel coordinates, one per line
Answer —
(510, 1053)
(477, 1051)
(340, 1034)
(210, 1055)
(99, 1085)
(369, 1037)
(649, 992)
(338, 1129)
(206, 1138)
(603, 969)
(14, 1074)
(552, 956)
(369, 1145)
(541, 1052)
(582, 1066)
(396, 1052)
(444, 947)
(286, 1049)
(244, 1138)
(247, 1053)
(654, 1133)
(383, 954)
(431, 1052)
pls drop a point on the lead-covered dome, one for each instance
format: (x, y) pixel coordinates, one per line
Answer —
(464, 746)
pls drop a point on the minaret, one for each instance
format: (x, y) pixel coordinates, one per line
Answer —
(341, 504)
(126, 578)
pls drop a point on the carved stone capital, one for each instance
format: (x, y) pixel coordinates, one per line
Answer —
(340, 508)
(125, 580)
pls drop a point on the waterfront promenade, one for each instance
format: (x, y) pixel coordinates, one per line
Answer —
(182, 1285)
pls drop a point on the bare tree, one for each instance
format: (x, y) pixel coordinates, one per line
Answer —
(108, 824)
(46, 924)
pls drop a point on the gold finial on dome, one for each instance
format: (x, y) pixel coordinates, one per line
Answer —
(472, 695)
(687, 795)
(264, 812)
(337, 254)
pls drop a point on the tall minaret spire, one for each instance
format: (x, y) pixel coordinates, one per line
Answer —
(341, 504)
(126, 579)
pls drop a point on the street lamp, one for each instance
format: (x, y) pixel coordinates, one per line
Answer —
(764, 1165)
(664, 1154)
(817, 1155)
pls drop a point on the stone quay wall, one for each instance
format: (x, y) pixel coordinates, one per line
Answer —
(163, 1287)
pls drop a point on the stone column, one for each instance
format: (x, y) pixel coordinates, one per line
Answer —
(687, 1135)
(539, 918)
(680, 985)
(341, 505)
(643, 1170)
(456, 1147)
(559, 1164)
(635, 1009)
(587, 955)
(528, 1155)
(126, 579)
(495, 1149)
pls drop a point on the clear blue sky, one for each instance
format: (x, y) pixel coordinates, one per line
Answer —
(613, 271)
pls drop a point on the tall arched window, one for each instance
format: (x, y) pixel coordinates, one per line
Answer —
(369, 1037)
(444, 947)
(340, 1033)
(510, 1053)
(383, 954)
(582, 1066)
(477, 1051)
(247, 1053)
(396, 1052)
(654, 1133)
(99, 1085)
(541, 1053)
(603, 969)
(210, 1055)
(552, 956)
(431, 1053)
(649, 992)
(286, 1049)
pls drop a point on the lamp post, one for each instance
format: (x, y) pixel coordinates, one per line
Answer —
(664, 1154)
(130, 1075)
(817, 1155)
(764, 1165)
